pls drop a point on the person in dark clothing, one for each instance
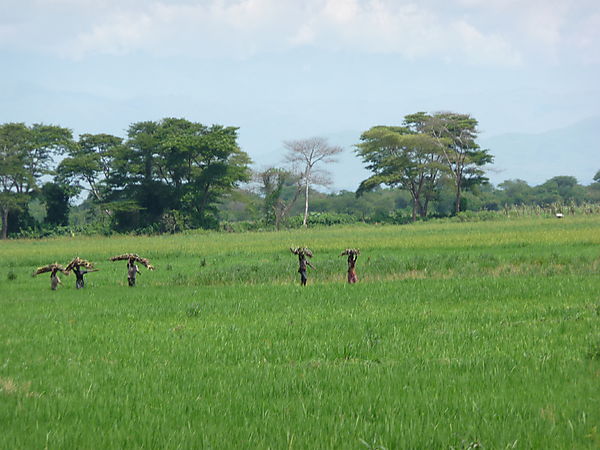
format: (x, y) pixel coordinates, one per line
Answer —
(303, 262)
(79, 273)
(78, 266)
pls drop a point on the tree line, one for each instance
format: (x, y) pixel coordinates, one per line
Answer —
(174, 174)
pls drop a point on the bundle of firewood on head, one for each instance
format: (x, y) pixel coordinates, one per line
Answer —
(301, 251)
(79, 262)
(50, 268)
(134, 257)
(350, 251)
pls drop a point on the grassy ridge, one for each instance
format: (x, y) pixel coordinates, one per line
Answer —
(466, 347)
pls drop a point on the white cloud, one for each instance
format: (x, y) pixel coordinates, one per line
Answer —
(341, 11)
(485, 48)
(491, 32)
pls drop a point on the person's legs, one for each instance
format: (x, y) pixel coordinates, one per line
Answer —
(352, 278)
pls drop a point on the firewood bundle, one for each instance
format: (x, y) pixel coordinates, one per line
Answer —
(301, 251)
(50, 268)
(79, 262)
(350, 251)
(135, 257)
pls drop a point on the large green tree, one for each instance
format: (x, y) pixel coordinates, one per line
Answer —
(456, 135)
(27, 154)
(405, 157)
(516, 192)
(175, 164)
(560, 189)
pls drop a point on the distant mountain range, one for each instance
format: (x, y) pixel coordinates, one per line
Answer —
(573, 150)
(535, 158)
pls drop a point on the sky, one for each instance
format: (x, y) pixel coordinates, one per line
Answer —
(284, 70)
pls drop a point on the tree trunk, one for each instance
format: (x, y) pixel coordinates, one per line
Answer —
(422, 210)
(4, 223)
(457, 200)
(277, 220)
(305, 222)
(425, 208)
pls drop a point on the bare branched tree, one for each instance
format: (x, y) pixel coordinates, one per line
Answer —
(304, 155)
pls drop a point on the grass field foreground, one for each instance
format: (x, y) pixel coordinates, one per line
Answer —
(457, 336)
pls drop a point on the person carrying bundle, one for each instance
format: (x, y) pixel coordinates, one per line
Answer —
(352, 254)
(53, 269)
(132, 271)
(132, 268)
(76, 266)
(302, 253)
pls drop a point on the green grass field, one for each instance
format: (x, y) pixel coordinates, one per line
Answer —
(456, 336)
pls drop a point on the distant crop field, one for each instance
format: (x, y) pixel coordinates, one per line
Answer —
(457, 335)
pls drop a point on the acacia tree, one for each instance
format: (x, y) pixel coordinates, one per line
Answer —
(456, 136)
(403, 157)
(26, 154)
(304, 155)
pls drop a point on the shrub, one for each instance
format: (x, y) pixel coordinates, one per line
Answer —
(326, 219)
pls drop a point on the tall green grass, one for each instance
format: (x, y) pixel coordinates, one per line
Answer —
(457, 336)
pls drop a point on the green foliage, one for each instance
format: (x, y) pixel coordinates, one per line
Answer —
(89, 164)
(26, 154)
(174, 175)
(456, 135)
(37, 231)
(404, 157)
(273, 182)
(326, 219)
(57, 204)
(418, 155)
(179, 165)
(561, 188)
(516, 192)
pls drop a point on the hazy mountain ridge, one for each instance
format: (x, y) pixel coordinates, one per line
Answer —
(572, 150)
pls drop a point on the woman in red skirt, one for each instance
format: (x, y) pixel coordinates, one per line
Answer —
(352, 257)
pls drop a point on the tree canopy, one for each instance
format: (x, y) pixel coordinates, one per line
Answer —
(404, 157)
(27, 153)
(174, 164)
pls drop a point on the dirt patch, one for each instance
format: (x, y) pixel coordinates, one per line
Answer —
(8, 386)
